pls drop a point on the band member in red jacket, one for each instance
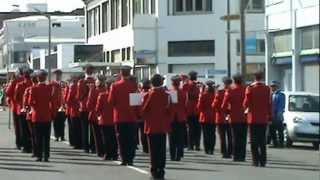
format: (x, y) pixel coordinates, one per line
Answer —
(74, 113)
(18, 98)
(257, 101)
(13, 105)
(27, 107)
(40, 101)
(232, 105)
(207, 118)
(83, 88)
(222, 119)
(156, 113)
(58, 113)
(105, 120)
(194, 128)
(67, 110)
(125, 116)
(146, 86)
(94, 92)
(179, 120)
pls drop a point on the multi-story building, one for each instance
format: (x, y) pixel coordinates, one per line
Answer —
(292, 55)
(174, 36)
(19, 36)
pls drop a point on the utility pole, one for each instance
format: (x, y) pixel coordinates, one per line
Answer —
(228, 40)
(49, 47)
(243, 6)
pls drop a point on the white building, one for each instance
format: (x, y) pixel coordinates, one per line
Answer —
(174, 36)
(292, 55)
(20, 36)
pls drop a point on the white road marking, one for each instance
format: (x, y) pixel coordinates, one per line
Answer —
(116, 162)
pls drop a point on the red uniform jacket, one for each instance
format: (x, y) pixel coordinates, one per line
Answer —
(232, 104)
(92, 102)
(40, 101)
(26, 102)
(192, 97)
(72, 101)
(83, 88)
(65, 96)
(104, 110)
(204, 105)
(19, 92)
(216, 105)
(258, 101)
(10, 91)
(56, 97)
(156, 112)
(119, 99)
(179, 111)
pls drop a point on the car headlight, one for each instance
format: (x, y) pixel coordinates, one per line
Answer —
(297, 120)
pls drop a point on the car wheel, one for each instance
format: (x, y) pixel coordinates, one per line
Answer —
(287, 141)
(315, 145)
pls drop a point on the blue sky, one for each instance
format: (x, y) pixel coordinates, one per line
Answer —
(53, 5)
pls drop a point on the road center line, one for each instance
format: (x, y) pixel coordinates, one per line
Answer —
(116, 162)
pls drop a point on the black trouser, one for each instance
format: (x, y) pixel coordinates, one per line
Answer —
(176, 140)
(194, 132)
(157, 147)
(109, 142)
(25, 134)
(97, 138)
(32, 136)
(225, 140)
(70, 131)
(126, 137)
(84, 130)
(209, 137)
(239, 141)
(59, 124)
(143, 137)
(16, 124)
(76, 132)
(276, 132)
(42, 133)
(258, 144)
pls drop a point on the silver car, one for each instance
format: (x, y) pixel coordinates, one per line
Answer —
(301, 118)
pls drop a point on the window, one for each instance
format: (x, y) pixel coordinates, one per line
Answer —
(97, 20)
(123, 52)
(90, 23)
(116, 55)
(153, 6)
(145, 6)
(191, 6)
(191, 48)
(310, 38)
(56, 25)
(137, 6)
(105, 16)
(115, 14)
(303, 103)
(124, 12)
(253, 48)
(255, 6)
(128, 53)
(282, 42)
(93, 21)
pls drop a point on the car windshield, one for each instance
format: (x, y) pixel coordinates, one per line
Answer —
(304, 103)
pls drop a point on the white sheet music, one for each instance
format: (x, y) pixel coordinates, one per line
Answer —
(135, 99)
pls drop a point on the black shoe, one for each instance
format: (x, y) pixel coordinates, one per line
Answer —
(56, 140)
(115, 158)
(46, 160)
(130, 164)
(62, 139)
(38, 160)
(255, 164)
(123, 163)
(198, 149)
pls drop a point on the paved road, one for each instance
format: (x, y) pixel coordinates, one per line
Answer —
(300, 162)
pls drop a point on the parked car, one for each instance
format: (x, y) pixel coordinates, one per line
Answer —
(302, 118)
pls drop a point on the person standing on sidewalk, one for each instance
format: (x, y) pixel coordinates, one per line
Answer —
(258, 103)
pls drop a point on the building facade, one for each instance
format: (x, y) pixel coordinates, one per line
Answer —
(292, 55)
(20, 36)
(174, 36)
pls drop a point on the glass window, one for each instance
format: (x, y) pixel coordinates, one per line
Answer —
(209, 5)
(304, 103)
(114, 14)
(145, 6)
(105, 17)
(282, 42)
(124, 11)
(153, 6)
(259, 50)
(256, 6)
(191, 48)
(137, 6)
(123, 52)
(128, 53)
(310, 38)
(189, 5)
(199, 5)
(179, 6)
(116, 55)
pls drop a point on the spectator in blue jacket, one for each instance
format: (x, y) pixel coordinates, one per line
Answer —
(278, 106)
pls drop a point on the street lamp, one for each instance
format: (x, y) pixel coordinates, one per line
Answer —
(49, 39)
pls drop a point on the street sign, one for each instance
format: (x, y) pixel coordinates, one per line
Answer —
(230, 17)
(217, 71)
